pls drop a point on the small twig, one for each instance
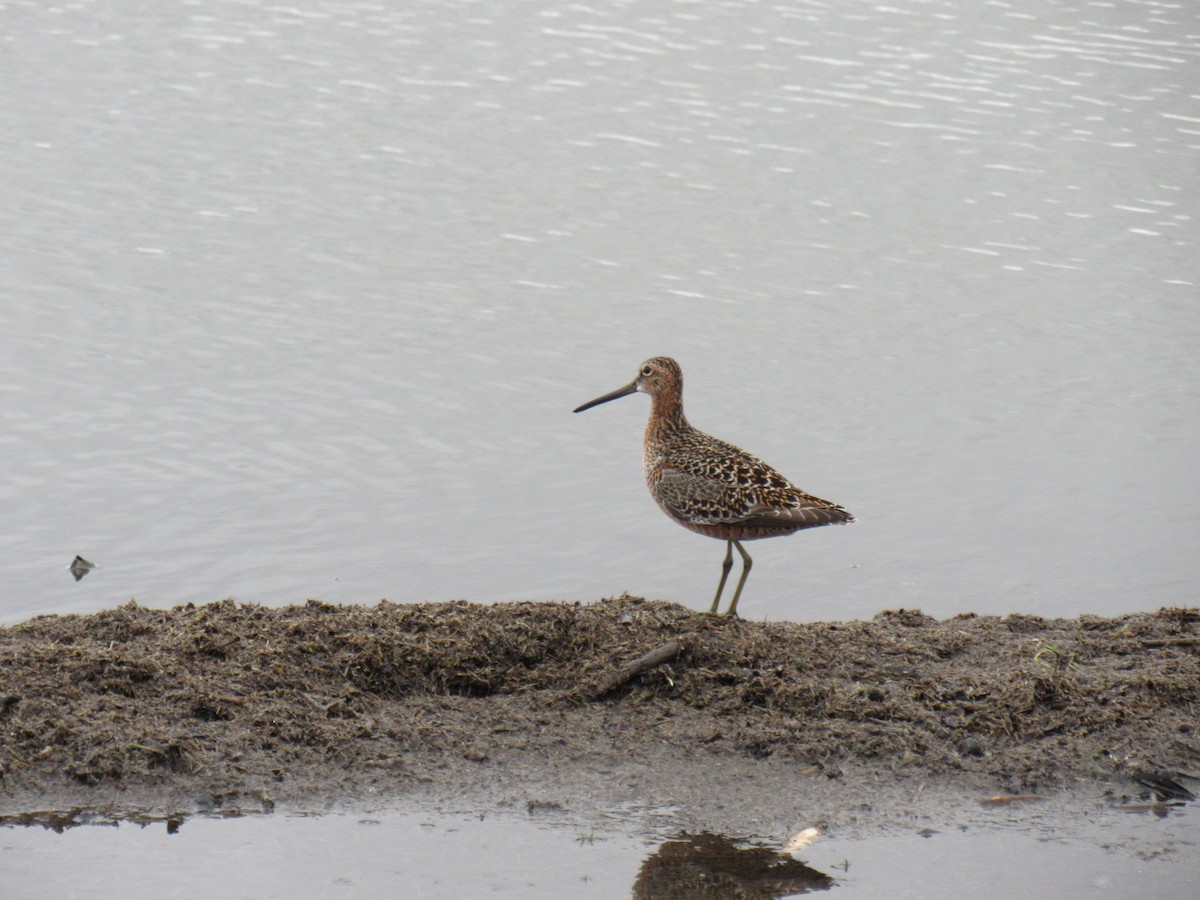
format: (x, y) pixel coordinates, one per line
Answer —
(1005, 799)
(633, 668)
(1171, 642)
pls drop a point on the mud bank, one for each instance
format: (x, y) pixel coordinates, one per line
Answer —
(239, 705)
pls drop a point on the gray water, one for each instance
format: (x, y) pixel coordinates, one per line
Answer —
(413, 852)
(297, 299)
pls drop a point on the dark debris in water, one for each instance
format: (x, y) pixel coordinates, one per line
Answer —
(324, 698)
(80, 567)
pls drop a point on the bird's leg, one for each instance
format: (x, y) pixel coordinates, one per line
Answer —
(725, 567)
(747, 562)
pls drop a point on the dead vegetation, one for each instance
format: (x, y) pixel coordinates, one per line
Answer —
(328, 697)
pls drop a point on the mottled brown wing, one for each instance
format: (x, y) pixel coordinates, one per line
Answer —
(703, 500)
(708, 457)
(699, 499)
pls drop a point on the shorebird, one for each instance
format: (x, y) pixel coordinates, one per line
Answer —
(710, 486)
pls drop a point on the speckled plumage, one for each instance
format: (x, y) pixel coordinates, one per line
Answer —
(710, 486)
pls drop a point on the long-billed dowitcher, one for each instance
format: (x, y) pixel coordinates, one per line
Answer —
(712, 487)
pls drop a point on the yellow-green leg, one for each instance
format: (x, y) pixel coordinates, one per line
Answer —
(747, 562)
(725, 567)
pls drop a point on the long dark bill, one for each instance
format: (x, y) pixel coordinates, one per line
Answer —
(619, 392)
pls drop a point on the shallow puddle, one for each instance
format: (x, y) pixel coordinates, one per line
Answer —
(425, 853)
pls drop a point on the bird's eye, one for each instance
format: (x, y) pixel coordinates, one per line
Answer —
(647, 371)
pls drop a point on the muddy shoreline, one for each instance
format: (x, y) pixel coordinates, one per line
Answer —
(743, 726)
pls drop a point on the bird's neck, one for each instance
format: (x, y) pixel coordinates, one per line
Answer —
(666, 418)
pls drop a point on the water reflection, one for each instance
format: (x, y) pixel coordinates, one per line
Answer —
(418, 851)
(62, 820)
(691, 867)
(230, 805)
(707, 865)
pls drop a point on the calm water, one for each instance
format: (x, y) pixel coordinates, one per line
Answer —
(298, 299)
(422, 853)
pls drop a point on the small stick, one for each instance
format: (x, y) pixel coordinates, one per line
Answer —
(1004, 799)
(633, 668)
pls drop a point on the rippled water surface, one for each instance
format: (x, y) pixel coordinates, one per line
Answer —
(298, 299)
